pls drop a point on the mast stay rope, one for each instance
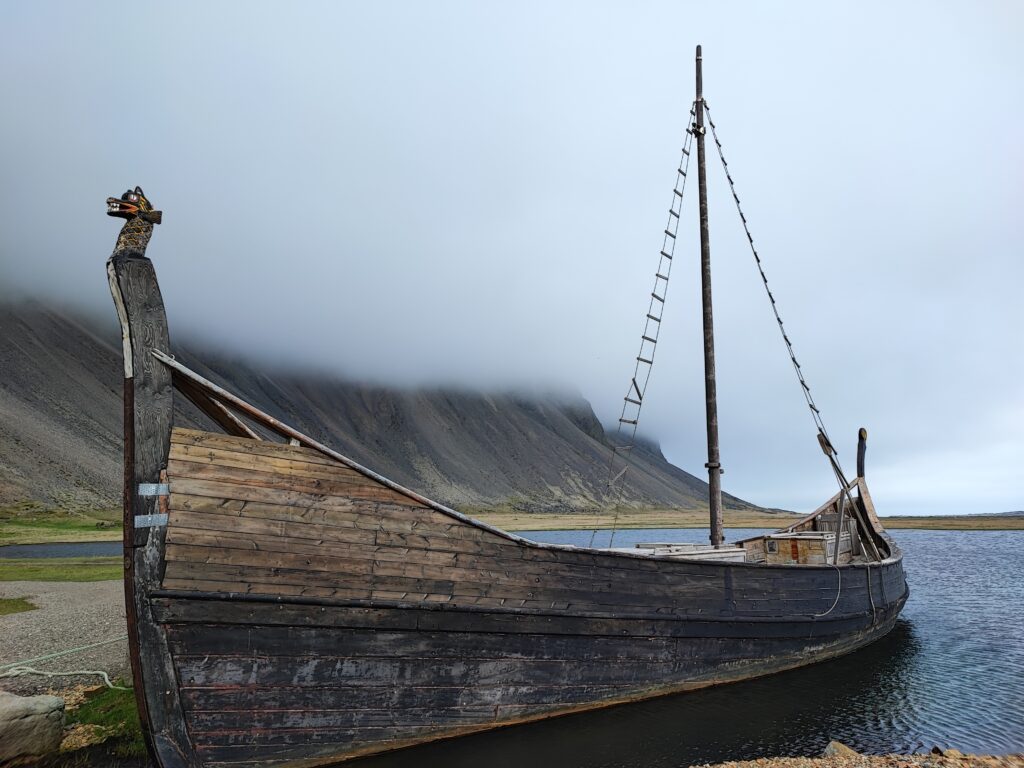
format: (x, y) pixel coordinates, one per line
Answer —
(823, 438)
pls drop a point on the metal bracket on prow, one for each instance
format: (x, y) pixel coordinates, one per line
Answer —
(162, 491)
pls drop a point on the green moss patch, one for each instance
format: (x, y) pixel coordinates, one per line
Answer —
(9, 605)
(114, 712)
(61, 568)
(31, 523)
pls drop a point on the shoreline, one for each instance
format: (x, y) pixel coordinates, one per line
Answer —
(575, 521)
(840, 756)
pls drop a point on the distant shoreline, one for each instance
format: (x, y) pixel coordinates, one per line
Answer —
(41, 528)
(632, 519)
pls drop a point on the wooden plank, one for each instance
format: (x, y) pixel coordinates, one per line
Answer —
(289, 530)
(277, 641)
(289, 720)
(363, 672)
(375, 564)
(182, 472)
(304, 556)
(181, 436)
(505, 621)
(291, 465)
(408, 590)
(357, 515)
(298, 581)
(248, 698)
(251, 492)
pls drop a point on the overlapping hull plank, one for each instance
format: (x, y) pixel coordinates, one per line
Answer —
(313, 613)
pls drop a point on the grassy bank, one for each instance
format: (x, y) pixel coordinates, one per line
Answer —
(9, 605)
(60, 569)
(103, 731)
(958, 522)
(517, 520)
(114, 715)
(32, 523)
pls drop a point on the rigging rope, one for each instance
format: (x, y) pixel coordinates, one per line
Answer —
(633, 401)
(823, 438)
(19, 668)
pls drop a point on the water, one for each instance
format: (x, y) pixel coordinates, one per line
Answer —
(950, 674)
(67, 549)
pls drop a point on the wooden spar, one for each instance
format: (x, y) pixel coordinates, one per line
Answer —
(862, 446)
(839, 527)
(220, 415)
(710, 391)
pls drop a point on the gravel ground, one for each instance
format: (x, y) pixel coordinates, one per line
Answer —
(70, 614)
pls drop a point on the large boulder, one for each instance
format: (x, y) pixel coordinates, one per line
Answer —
(838, 749)
(29, 725)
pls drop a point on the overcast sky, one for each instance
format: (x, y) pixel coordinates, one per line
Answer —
(473, 193)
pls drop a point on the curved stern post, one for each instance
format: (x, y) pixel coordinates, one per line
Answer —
(148, 405)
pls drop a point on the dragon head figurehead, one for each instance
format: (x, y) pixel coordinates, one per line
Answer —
(140, 218)
(131, 204)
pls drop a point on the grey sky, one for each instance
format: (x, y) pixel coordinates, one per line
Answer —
(473, 193)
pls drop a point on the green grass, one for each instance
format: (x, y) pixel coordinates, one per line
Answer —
(957, 522)
(115, 712)
(28, 522)
(61, 569)
(9, 605)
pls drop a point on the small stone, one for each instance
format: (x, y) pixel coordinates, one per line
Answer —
(953, 753)
(838, 749)
(30, 725)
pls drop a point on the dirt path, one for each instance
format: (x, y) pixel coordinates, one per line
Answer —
(69, 615)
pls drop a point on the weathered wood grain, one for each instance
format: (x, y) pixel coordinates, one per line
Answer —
(242, 691)
(148, 414)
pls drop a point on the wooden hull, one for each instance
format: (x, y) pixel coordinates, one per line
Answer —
(287, 606)
(308, 684)
(311, 615)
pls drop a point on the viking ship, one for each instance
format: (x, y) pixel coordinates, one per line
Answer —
(289, 606)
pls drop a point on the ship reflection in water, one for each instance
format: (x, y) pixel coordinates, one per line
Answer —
(951, 674)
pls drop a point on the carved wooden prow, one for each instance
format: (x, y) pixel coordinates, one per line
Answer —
(862, 447)
(148, 406)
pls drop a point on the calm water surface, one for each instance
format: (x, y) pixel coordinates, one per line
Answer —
(69, 549)
(951, 674)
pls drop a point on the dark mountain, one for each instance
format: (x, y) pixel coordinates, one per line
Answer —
(60, 428)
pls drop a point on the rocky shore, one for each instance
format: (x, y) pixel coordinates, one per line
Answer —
(840, 756)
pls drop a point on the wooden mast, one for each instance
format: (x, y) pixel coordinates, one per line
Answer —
(714, 466)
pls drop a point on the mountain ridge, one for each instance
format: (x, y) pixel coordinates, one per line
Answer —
(60, 436)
